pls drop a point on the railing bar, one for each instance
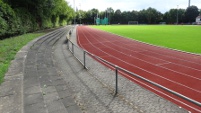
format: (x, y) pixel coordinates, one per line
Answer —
(162, 87)
(151, 82)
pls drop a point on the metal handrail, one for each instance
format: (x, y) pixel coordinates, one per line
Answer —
(131, 73)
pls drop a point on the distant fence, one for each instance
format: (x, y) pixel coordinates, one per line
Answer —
(72, 47)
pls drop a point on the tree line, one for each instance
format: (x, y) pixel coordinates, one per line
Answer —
(145, 16)
(22, 16)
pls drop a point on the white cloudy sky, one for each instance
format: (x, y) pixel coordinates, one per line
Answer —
(129, 5)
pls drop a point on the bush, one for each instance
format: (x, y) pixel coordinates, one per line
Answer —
(3, 26)
(7, 20)
(17, 17)
(25, 21)
(46, 23)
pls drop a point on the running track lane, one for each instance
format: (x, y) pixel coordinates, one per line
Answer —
(178, 71)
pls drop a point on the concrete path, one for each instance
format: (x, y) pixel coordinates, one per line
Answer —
(46, 78)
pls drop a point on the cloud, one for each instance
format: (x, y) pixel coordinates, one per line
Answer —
(129, 5)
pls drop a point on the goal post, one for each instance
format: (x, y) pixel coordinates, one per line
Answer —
(132, 22)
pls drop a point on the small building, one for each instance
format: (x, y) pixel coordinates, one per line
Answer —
(198, 20)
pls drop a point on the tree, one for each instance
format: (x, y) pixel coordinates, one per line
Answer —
(181, 15)
(93, 14)
(21, 16)
(102, 14)
(110, 14)
(191, 13)
(81, 16)
(200, 11)
(142, 17)
(126, 16)
(129, 16)
(134, 16)
(117, 16)
(7, 20)
(171, 16)
(152, 15)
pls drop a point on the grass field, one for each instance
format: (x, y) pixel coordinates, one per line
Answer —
(9, 47)
(185, 38)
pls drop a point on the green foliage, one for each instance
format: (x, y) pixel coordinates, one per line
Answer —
(46, 23)
(3, 26)
(171, 16)
(152, 15)
(9, 47)
(25, 21)
(8, 22)
(61, 13)
(23, 16)
(191, 13)
(144, 16)
(186, 38)
(4, 69)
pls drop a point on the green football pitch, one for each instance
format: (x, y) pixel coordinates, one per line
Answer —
(185, 38)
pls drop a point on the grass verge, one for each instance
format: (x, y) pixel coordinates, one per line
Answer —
(185, 38)
(9, 47)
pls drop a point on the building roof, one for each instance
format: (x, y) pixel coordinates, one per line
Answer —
(199, 16)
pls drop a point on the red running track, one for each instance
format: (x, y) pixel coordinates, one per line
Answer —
(178, 71)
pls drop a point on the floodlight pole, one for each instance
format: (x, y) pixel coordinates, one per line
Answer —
(177, 14)
(105, 13)
(94, 20)
(74, 11)
(108, 11)
(80, 16)
(189, 3)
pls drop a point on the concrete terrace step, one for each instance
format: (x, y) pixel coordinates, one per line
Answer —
(44, 89)
(46, 78)
(33, 84)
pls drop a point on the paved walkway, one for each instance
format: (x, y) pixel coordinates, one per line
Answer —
(46, 78)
